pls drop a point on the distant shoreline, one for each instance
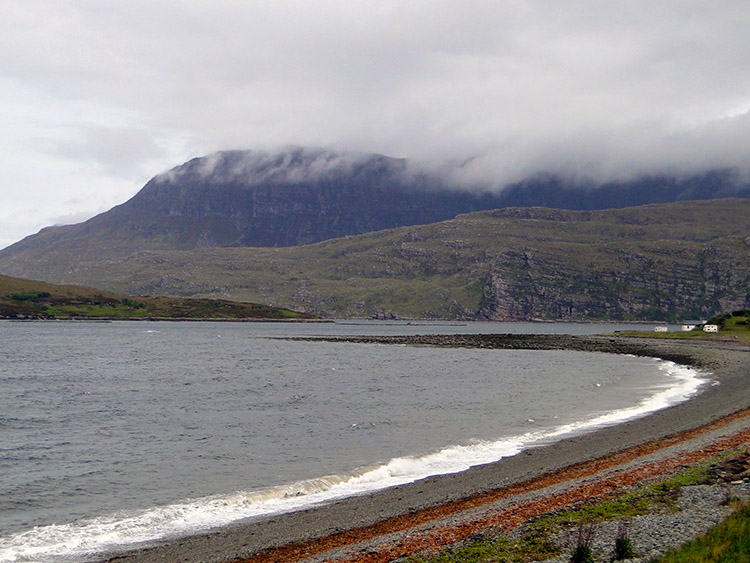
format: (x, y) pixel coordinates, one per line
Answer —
(161, 319)
(729, 363)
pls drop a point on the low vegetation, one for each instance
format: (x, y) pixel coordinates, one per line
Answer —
(527, 548)
(26, 299)
(729, 542)
(537, 540)
(737, 321)
(624, 548)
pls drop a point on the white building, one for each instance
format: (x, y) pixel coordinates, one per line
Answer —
(710, 328)
(692, 324)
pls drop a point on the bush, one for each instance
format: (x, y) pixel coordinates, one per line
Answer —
(624, 549)
(582, 552)
(133, 304)
(30, 296)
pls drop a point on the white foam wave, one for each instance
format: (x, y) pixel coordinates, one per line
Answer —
(87, 536)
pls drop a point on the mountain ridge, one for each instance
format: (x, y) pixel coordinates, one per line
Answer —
(251, 198)
(302, 195)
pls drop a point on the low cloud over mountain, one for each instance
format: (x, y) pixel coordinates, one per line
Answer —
(298, 196)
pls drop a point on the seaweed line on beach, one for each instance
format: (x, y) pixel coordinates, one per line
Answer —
(515, 515)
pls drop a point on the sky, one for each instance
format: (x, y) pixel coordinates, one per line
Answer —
(98, 96)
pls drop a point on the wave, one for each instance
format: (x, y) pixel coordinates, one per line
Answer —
(67, 542)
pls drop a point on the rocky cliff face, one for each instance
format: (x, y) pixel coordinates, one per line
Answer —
(654, 282)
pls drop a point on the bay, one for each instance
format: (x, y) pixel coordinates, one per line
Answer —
(117, 433)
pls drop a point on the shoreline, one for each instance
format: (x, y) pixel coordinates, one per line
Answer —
(264, 538)
(159, 319)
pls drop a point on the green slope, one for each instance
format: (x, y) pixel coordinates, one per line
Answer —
(27, 299)
(658, 262)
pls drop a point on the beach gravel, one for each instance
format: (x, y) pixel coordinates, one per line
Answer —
(699, 508)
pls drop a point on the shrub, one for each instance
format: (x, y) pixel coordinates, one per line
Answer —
(582, 552)
(30, 296)
(623, 545)
(131, 303)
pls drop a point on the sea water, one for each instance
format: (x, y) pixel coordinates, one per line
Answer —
(113, 434)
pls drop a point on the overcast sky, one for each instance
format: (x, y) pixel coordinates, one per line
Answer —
(98, 96)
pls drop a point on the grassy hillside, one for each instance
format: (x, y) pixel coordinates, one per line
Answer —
(27, 299)
(656, 262)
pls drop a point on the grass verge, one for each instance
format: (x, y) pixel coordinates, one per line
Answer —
(728, 542)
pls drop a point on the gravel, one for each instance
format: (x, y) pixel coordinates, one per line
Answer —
(699, 508)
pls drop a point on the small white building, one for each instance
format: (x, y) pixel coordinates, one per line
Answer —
(710, 328)
(660, 329)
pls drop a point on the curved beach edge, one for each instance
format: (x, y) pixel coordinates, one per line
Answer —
(316, 533)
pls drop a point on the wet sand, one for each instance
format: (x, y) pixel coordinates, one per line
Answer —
(356, 520)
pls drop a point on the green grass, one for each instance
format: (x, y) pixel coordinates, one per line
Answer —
(527, 548)
(729, 542)
(91, 310)
(26, 299)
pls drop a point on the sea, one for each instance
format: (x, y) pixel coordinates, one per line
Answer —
(113, 434)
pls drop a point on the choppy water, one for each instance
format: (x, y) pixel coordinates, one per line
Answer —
(115, 433)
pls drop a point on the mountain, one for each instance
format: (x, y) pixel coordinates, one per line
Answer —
(653, 262)
(559, 193)
(300, 196)
(28, 299)
(249, 198)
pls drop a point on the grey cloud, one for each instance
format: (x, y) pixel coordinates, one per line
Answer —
(289, 164)
(117, 150)
(584, 87)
